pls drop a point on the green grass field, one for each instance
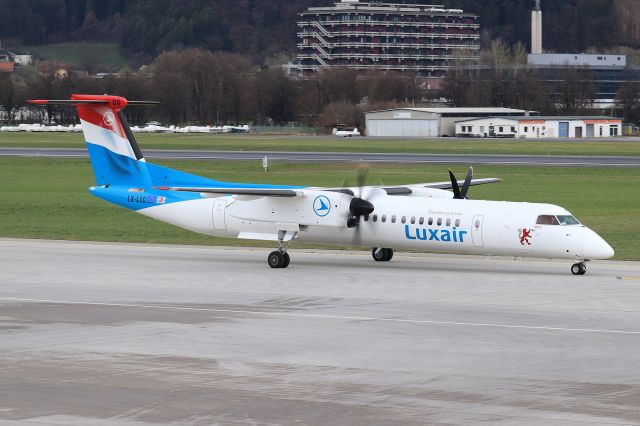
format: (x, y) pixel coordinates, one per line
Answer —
(253, 142)
(48, 198)
(75, 54)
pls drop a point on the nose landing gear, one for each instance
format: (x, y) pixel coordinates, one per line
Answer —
(579, 268)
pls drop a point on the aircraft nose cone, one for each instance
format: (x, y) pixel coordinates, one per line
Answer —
(595, 247)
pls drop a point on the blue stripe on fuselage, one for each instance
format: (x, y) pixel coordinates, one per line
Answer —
(116, 174)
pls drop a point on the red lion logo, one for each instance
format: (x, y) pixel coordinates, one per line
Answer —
(525, 235)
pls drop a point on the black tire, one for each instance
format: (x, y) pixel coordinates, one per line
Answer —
(389, 255)
(378, 256)
(578, 269)
(276, 259)
(384, 255)
(583, 269)
(287, 260)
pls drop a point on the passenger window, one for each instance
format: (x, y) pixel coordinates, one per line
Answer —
(413, 220)
(366, 218)
(547, 220)
(457, 222)
(393, 219)
(448, 222)
(384, 218)
(430, 221)
(404, 219)
(439, 221)
(421, 221)
(375, 217)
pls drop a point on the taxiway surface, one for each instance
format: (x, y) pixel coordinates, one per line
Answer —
(131, 334)
(351, 157)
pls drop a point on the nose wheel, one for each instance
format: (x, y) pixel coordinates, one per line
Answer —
(382, 254)
(579, 268)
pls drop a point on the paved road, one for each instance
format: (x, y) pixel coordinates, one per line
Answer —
(117, 334)
(348, 157)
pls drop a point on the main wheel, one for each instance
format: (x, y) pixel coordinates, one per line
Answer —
(276, 259)
(382, 254)
(389, 255)
(378, 254)
(287, 260)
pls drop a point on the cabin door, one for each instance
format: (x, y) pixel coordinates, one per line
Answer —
(476, 231)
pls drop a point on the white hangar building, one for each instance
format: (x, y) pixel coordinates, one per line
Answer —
(428, 122)
(540, 127)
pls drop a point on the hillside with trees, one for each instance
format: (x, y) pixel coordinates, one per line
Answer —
(260, 29)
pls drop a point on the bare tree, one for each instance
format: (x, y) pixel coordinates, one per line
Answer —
(12, 94)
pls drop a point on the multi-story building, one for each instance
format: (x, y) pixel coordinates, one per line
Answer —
(401, 37)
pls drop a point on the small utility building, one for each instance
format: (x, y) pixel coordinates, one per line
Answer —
(428, 122)
(540, 127)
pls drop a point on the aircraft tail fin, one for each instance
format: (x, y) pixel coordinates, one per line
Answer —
(115, 155)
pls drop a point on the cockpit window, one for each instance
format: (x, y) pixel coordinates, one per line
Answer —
(568, 220)
(547, 220)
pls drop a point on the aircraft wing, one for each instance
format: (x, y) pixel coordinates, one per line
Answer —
(261, 192)
(474, 182)
(406, 189)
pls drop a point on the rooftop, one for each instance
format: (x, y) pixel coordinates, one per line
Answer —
(547, 118)
(379, 6)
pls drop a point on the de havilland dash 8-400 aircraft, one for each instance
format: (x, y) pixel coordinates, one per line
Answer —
(434, 217)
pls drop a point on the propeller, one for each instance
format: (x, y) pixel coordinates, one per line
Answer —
(359, 206)
(461, 194)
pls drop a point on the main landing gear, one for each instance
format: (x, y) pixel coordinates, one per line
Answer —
(280, 258)
(579, 268)
(382, 254)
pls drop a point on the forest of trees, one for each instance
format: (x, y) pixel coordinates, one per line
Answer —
(199, 86)
(261, 28)
(207, 61)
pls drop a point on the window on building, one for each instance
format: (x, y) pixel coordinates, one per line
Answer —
(613, 131)
(501, 129)
(513, 129)
(526, 129)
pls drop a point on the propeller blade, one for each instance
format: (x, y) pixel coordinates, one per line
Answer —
(454, 186)
(363, 171)
(467, 183)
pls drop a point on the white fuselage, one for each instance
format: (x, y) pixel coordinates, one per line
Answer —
(424, 223)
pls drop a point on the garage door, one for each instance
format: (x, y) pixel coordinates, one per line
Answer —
(402, 128)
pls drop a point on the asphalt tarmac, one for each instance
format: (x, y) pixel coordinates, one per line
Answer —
(132, 334)
(523, 160)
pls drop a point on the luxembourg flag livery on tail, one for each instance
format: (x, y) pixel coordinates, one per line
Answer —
(434, 217)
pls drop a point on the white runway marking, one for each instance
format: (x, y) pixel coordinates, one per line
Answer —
(320, 316)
